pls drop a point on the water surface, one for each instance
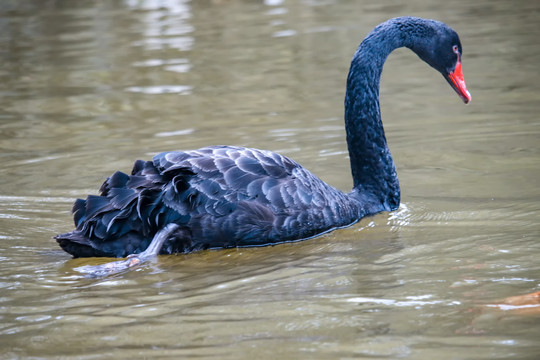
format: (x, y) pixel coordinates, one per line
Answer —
(89, 87)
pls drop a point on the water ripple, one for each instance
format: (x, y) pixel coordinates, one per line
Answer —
(161, 89)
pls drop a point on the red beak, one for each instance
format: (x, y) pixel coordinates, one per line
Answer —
(456, 80)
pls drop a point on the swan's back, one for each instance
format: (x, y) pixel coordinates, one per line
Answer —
(221, 196)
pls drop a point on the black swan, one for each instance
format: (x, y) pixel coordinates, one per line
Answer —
(225, 196)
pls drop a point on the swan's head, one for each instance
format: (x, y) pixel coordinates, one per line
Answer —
(439, 46)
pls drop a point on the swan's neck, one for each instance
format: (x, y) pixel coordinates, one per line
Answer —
(372, 166)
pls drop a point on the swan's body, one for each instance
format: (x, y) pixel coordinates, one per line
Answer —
(221, 196)
(224, 196)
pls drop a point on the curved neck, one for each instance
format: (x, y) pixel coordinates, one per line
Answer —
(372, 166)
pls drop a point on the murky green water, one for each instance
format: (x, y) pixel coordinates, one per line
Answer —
(89, 87)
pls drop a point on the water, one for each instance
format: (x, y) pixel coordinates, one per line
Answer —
(89, 87)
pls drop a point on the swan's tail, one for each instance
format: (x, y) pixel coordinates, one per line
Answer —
(130, 209)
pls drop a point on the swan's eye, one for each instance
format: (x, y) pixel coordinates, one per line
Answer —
(455, 49)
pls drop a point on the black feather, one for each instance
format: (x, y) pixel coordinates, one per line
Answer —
(121, 197)
(96, 204)
(79, 212)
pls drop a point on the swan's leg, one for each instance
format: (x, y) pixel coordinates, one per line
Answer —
(155, 246)
(132, 260)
